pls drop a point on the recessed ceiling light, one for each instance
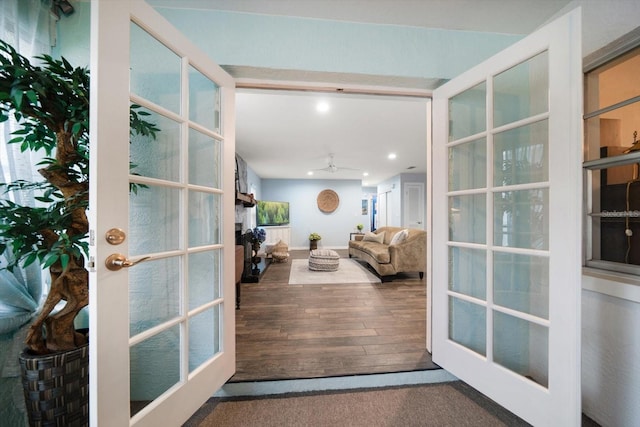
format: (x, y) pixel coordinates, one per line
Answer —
(365, 174)
(322, 107)
(392, 156)
(310, 173)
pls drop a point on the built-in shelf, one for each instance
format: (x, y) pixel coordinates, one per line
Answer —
(247, 200)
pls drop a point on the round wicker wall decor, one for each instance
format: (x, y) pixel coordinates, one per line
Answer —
(328, 201)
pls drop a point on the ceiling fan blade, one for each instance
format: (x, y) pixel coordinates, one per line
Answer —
(332, 168)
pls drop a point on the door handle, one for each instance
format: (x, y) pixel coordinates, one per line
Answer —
(116, 262)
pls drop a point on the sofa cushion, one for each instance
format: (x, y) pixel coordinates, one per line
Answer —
(399, 237)
(378, 251)
(373, 237)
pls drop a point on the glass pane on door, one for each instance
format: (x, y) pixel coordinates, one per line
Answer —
(468, 112)
(521, 219)
(154, 366)
(520, 155)
(159, 157)
(155, 70)
(205, 268)
(154, 220)
(522, 347)
(204, 100)
(467, 218)
(157, 284)
(205, 326)
(521, 282)
(521, 91)
(175, 217)
(204, 159)
(468, 165)
(468, 272)
(468, 324)
(501, 176)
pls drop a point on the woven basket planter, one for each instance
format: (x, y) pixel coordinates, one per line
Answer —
(56, 387)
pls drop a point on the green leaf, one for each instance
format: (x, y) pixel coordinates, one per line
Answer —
(77, 127)
(16, 139)
(30, 258)
(32, 96)
(64, 260)
(16, 95)
(50, 260)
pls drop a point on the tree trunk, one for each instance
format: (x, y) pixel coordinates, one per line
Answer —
(72, 287)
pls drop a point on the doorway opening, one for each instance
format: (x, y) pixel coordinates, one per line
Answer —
(286, 331)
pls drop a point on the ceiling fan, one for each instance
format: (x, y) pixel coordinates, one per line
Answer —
(332, 168)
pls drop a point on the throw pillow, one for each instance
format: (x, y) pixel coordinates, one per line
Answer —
(373, 237)
(399, 237)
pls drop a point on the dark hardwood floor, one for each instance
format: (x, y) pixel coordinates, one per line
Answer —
(308, 331)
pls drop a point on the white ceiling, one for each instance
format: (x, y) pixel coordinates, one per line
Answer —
(280, 134)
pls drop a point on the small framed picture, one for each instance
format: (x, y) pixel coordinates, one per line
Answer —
(365, 207)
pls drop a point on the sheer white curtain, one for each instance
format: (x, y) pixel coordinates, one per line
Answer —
(26, 25)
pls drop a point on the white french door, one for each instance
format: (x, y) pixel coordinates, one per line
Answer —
(163, 330)
(506, 225)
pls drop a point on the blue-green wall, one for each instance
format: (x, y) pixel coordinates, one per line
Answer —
(346, 47)
(310, 44)
(305, 216)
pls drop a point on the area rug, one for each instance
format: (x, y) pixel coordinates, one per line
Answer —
(349, 271)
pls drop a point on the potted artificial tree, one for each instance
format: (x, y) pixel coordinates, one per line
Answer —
(50, 102)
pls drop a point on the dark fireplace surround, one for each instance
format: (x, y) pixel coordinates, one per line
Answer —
(253, 266)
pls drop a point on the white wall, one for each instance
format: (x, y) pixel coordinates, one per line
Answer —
(603, 21)
(393, 188)
(610, 359)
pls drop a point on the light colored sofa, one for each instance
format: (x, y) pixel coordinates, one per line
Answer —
(389, 260)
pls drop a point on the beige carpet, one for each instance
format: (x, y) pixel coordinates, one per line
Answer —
(349, 271)
(446, 404)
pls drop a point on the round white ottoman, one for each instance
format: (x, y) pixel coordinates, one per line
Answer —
(324, 260)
